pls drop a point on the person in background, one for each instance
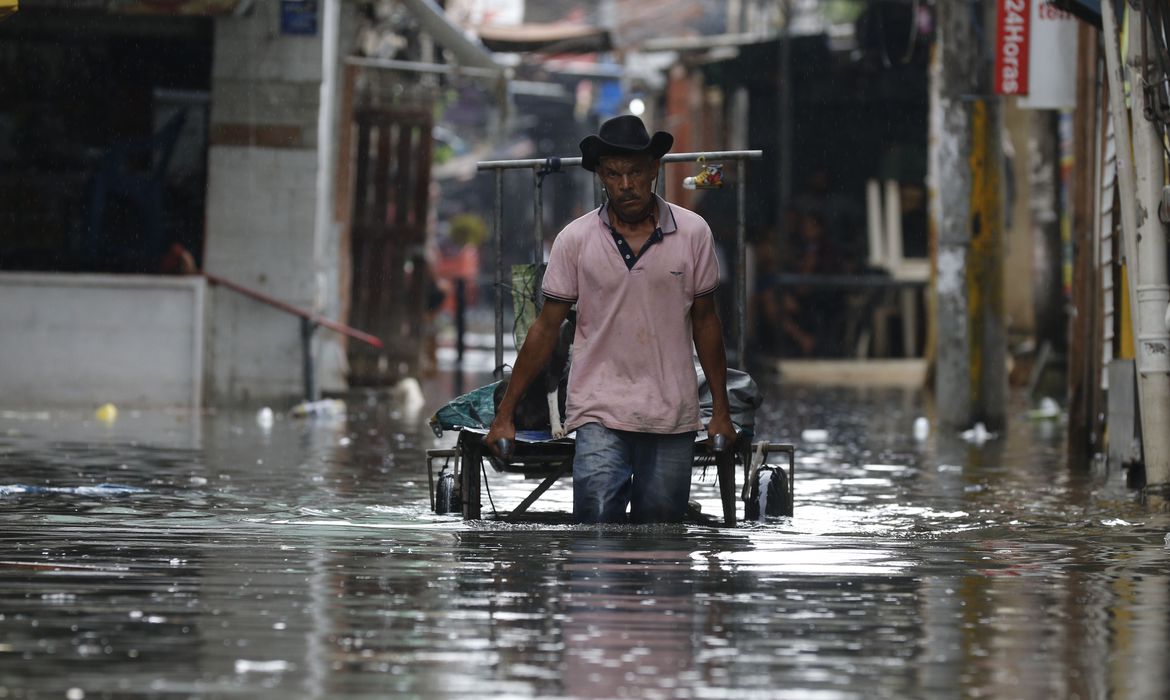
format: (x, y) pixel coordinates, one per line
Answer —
(811, 318)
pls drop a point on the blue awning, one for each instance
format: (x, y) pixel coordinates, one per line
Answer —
(1085, 10)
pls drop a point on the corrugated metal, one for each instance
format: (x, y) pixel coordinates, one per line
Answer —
(1105, 238)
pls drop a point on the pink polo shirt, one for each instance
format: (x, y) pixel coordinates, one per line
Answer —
(633, 354)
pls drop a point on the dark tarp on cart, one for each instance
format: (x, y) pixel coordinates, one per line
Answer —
(476, 408)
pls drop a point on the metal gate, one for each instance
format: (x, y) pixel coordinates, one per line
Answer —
(388, 238)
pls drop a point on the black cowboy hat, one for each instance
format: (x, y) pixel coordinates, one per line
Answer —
(624, 135)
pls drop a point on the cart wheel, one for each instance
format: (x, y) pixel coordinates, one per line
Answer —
(446, 495)
(769, 495)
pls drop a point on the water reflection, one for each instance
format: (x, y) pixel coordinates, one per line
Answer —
(631, 617)
(301, 560)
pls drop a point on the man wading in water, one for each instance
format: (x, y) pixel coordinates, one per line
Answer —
(642, 273)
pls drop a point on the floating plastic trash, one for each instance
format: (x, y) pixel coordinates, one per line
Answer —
(264, 417)
(99, 490)
(26, 415)
(106, 413)
(921, 428)
(1047, 410)
(978, 434)
(408, 394)
(327, 408)
(815, 435)
(273, 666)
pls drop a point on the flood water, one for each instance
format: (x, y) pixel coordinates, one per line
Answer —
(171, 555)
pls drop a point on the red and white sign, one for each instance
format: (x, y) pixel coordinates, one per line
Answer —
(1012, 34)
(1052, 69)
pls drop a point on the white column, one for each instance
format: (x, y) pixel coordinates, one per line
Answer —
(1152, 339)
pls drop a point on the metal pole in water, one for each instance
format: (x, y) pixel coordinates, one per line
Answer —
(740, 265)
(460, 320)
(538, 217)
(307, 328)
(498, 224)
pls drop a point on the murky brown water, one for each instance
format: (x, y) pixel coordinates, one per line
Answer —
(303, 561)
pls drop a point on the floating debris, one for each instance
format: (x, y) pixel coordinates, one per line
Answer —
(26, 415)
(1047, 410)
(106, 413)
(978, 434)
(815, 435)
(274, 666)
(99, 490)
(921, 428)
(325, 408)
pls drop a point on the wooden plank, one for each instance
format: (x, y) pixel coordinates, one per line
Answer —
(362, 174)
(1083, 323)
(361, 360)
(404, 163)
(422, 191)
(385, 131)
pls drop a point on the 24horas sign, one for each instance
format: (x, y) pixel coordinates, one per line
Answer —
(1011, 46)
(1035, 54)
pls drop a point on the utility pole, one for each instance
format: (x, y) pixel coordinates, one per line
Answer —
(1149, 260)
(966, 195)
(1140, 179)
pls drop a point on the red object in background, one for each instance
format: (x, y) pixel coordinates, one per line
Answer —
(460, 263)
(1012, 33)
(178, 261)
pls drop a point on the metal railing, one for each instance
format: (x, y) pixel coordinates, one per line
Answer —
(544, 166)
(309, 323)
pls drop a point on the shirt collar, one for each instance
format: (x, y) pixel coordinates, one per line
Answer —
(664, 216)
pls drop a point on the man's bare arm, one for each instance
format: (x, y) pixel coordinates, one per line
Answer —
(708, 335)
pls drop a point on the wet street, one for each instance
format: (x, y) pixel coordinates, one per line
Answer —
(167, 555)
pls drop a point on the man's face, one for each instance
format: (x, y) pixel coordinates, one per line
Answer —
(629, 184)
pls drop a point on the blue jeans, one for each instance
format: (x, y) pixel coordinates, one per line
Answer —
(613, 469)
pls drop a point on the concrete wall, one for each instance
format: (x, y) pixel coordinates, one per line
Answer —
(1018, 265)
(264, 224)
(84, 340)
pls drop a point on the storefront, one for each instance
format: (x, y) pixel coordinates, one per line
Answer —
(103, 134)
(144, 138)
